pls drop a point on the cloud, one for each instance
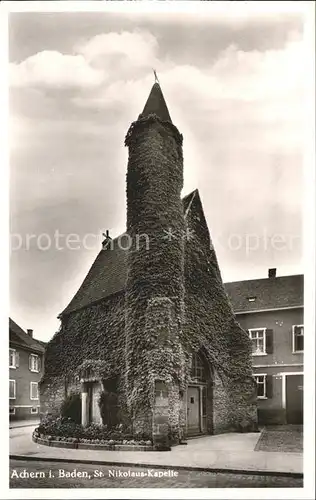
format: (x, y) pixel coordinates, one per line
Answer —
(245, 76)
(96, 60)
(135, 49)
(110, 68)
(53, 69)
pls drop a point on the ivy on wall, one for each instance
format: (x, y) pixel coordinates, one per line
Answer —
(174, 302)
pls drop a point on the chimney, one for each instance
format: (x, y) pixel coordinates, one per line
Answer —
(272, 273)
(29, 332)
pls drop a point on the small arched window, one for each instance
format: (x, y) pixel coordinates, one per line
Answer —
(198, 371)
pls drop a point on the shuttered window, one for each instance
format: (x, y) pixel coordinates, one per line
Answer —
(298, 338)
(264, 385)
(13, 355)
(12, 389)
(269, 341)
(33, 390)
(261, 385)
(258, 341)
(34, 363)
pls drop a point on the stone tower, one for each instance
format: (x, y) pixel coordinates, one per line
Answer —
(155, 276)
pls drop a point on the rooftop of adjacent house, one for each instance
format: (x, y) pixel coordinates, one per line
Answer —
(23, 339)
(266, 293)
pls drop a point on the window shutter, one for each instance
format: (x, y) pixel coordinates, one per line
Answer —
(269, 386)
(30, 362)
(269, 341)
(17, 359)
(39, 363)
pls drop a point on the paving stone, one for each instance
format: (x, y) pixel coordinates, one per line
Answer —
(281, 438)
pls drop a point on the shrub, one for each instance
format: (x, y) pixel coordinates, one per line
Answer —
(60, 427)
(63, 428)
(71, 408)
(95, 431)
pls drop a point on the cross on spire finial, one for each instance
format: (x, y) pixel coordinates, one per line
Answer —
(156, 77)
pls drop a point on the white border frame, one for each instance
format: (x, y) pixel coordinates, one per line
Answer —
(307, 9)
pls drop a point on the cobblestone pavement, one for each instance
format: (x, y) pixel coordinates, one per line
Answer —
(284, 438)
(75, 475)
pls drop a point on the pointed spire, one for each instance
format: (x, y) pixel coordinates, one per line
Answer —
(156, 103)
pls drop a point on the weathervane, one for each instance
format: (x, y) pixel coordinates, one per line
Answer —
(156, 77)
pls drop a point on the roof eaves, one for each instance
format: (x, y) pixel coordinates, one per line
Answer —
(32, 348)
(262, 310)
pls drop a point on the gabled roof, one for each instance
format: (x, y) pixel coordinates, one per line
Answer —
(156, 104)
(107, 274)
(266, 293)
(21, 338)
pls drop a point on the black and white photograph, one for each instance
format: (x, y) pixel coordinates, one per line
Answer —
(161, 266)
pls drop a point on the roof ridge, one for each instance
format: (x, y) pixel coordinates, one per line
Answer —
(190, 203)
(265, 279)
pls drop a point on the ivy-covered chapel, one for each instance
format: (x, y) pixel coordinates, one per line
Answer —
(151, 332)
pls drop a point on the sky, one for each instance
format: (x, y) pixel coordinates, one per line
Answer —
(234, 87)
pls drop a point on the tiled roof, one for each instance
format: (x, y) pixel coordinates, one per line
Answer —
(107, 274)
(20, 337)
(267, 293)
